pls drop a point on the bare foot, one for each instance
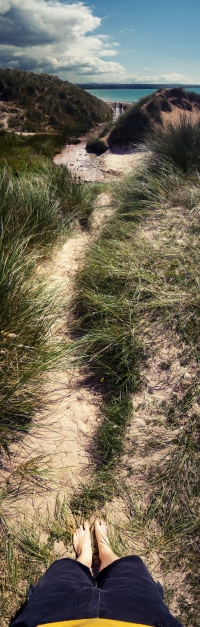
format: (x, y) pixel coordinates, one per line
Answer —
(82, 544)
(106, 554)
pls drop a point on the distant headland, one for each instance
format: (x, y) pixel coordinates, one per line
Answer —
(134, 85)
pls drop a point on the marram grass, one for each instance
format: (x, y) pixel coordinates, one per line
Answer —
(128, 283)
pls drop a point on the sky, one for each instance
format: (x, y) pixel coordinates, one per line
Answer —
(103, 41)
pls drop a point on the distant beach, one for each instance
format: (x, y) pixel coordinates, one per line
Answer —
(129, 95)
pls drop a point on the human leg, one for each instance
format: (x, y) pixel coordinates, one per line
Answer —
(82, 545)
(129, 593)
(106, 554)
(56, 596)
(128, 590)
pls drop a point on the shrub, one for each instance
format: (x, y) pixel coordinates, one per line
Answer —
(153, 108)
(96, 146)
(165, 104)
(130, 127)
(177, 92)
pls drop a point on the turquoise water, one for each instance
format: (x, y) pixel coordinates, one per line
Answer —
(127, 95)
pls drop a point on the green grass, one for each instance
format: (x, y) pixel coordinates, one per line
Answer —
(41, 204)
(106, 128)
(43, 103)
(132, 128)
(23, 153)
(27, 313)
(129, 287)
(178, 144)
(37, 210)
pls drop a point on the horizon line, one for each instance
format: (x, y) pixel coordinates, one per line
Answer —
(134, 85)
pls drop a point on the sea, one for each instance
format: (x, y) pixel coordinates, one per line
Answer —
(132, 94)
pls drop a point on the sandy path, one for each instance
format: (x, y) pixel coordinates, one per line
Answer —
(92, 168)
(59, 440)
(61, 434)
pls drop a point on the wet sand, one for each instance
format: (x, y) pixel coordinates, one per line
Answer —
(88, 167)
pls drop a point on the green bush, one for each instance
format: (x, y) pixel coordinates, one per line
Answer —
(131, 127)
(96, 146)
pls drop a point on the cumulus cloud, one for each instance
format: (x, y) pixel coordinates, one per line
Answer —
(59, 37)
(55, 37)
(172, 77)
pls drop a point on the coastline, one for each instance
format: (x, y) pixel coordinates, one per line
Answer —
(124, 104)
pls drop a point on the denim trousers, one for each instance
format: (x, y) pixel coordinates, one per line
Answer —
(123, 591)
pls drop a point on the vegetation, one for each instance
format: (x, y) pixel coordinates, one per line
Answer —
(178, 144)
(106, 128)
(42, 102)
(145, 116)
(131, 127)
(36, 210)
(96, 146)
(38, 205)
(128, 292)
(27, 152)
(139, 285)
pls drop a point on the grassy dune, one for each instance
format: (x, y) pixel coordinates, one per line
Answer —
(146, 115)
(138, 288)
(128, 290)
(42, 102)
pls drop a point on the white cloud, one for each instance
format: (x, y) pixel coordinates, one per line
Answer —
(172, 77)
(56, 36)
(51, 36)
(127, 30)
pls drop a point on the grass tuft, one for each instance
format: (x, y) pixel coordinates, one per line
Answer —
(179, 144)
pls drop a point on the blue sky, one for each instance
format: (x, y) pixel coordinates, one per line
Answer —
(161, 36)
(118, 41)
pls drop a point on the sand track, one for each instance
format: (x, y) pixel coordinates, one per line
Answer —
(89, 167)
(60, 437)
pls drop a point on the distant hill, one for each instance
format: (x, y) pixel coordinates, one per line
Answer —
(132, 85)
(165, 105)
(44, 103)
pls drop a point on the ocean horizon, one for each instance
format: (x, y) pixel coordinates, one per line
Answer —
(130, 94)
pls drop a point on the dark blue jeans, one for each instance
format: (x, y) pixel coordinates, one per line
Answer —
(123, 591)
